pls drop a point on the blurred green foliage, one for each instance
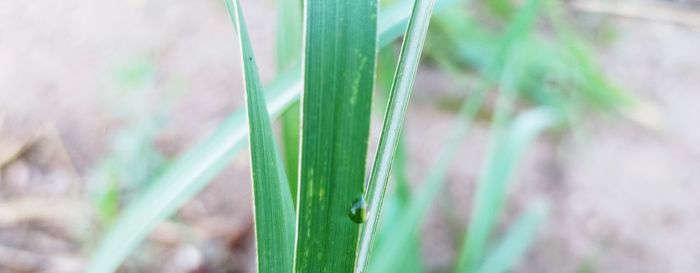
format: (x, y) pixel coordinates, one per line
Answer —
(528, 57)
(132, 160)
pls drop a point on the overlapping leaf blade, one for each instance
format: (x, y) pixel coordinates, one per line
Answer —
(185, 178)
(195, 168)
(274, 210)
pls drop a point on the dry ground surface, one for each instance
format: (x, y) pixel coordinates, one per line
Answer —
(624, 197)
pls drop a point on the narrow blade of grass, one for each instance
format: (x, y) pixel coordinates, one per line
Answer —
(396, 204)
(201, 163)
(516, 241)
(508, 142)
(274, 210)
(492, 186)
(183, 179)
(393, 20)
(395, 247)
(386, 66)
(289, 54)
(399, 96)
(339, 63)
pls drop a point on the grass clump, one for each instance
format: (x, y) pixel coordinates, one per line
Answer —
(315, 211)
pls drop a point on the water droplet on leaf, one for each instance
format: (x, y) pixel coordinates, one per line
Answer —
(358, 210)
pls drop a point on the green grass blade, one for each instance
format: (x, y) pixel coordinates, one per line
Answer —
(492, 186)
(508, 142)
(386, 66)
(397, 203)
(289, 54)
(393, 121)
(516, 241)
(396, 245)
(183, 179)
(393, 20)
(339, 63)
(274, 210)
(194, 169)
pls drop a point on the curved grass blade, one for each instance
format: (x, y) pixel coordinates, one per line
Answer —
(274, 210)
(195, 168)
(508, 142)
(393, 21)
(389, 254)
(399, 96)
(516, 241)
(386, 66)
(339, 63)
(491, 189)
(396, 204)
(186, 177)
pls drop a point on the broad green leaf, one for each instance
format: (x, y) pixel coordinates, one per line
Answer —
(201, 163)
(289, 54)
(339, 63)
(516, 241)
(492, 187)
(393, 122)
(274, 210)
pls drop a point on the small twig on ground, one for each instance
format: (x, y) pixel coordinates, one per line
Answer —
(24, 261)
(13, 148)
(60, 212)
(648, 10)
(76, 178)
